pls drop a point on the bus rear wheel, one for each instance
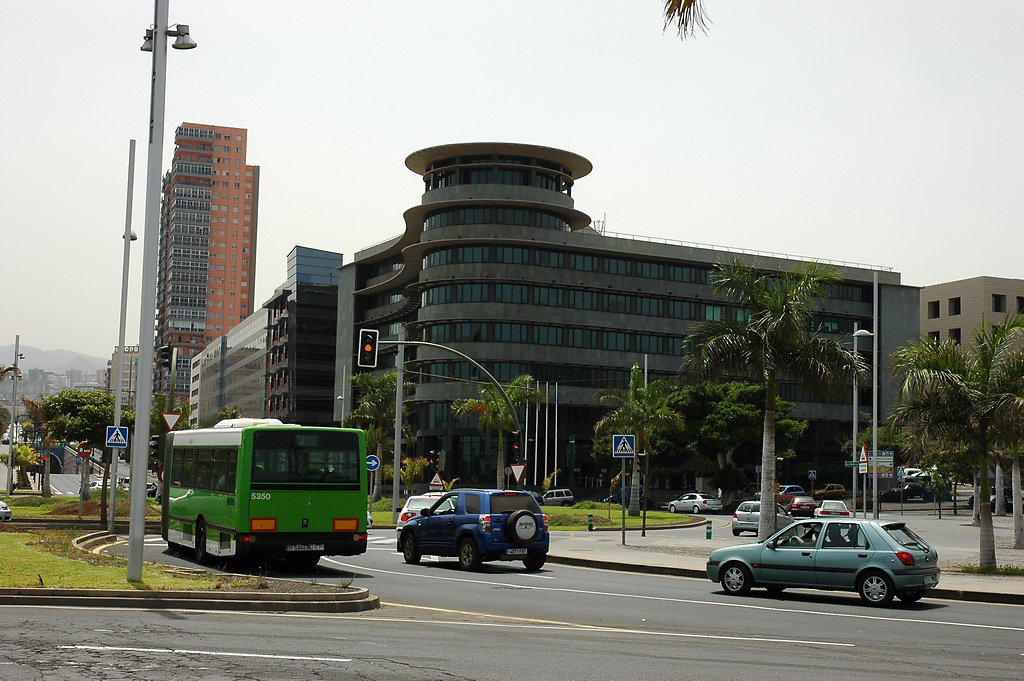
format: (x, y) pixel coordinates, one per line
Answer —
(201, 555)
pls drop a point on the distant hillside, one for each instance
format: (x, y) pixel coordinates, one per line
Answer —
(52, 360)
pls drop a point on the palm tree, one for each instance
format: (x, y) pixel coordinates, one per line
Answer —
(641, 410)
(771, 339)
(491, 412)
(687, 15)
(375, 413)
(967, 399)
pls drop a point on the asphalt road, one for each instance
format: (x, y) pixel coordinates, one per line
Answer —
(504, 623)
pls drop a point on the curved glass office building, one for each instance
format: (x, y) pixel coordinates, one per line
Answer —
(497, 263)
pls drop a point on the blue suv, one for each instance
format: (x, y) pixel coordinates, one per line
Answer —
(479, 525)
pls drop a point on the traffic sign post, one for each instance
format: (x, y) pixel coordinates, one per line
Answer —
(623, 447)
(812, 475)
(436, 483)
(518, 469)
(117, 437)
(171, 419)
(372, 462)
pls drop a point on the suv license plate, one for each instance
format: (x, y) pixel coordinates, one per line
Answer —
(304, 547)
(515, 552)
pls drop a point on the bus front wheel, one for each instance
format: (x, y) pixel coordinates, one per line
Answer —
(201, 555)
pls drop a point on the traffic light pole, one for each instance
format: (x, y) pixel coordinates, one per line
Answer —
(485, 372)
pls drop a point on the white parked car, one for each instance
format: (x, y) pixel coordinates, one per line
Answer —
(415, 504)
(5, 511)
(830, 507)
(695, 503)
(748, 515)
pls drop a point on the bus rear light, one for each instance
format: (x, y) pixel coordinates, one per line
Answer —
(361, 537)
(246, 538)
(263, 525)
(345, 524)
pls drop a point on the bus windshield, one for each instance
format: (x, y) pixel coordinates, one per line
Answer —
(311, 456)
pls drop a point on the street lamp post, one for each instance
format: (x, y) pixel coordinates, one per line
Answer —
(874, 397)
(857, 333)
(15, 375)
(118, 373)
(155, 42)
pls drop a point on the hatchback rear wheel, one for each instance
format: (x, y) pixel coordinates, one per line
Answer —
(736, 579)
(875, 588)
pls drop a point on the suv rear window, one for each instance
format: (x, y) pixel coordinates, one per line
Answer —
(506, 503)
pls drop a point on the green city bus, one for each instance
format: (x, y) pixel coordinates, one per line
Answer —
(257, 487)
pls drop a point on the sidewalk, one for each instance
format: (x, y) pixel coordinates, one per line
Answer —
(684, 552)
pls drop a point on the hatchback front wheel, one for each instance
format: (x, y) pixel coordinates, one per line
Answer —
(736, 579)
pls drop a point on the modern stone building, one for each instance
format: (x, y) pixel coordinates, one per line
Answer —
(208, 226)
(498, 263)
(230, 372)
(953, 309)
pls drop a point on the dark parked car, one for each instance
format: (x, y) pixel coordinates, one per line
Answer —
(616, 496)
(479, 525)
(910, 490)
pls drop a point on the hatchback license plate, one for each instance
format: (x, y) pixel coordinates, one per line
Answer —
(515, 552)
(304, 547)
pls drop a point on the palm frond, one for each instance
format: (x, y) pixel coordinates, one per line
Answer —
(687, 15)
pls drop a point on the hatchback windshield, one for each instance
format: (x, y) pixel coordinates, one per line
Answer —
(506, 503)
(905, 536)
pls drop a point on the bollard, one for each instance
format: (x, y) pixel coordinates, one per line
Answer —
(590, 522)
(707, 534)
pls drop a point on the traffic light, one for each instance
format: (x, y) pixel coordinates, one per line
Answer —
(367, 355)
(516, 451)
(163, 356)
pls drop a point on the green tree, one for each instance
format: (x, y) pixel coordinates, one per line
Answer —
(491, 412)
(5, 420)
(966, 400)
(771, 339)
(412, 469)
(83, 416)
(24, 458)
(375, 414)
(640, 410)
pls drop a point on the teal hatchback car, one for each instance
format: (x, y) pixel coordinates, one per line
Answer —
(878, 559)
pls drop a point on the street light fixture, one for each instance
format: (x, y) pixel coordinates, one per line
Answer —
(857, 333)
(15, 372)
(156, 42)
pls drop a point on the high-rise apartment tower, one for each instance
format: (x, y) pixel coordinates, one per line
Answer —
(208, 226)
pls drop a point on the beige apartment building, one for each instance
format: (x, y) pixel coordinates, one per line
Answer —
(953, 309)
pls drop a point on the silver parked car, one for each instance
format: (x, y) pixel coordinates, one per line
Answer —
(748, 515)
(413, 506)
(5, 511)
(695, 503)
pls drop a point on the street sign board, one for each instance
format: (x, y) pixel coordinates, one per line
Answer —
(864, 459)
(852, 464)
(117, 436)
(436, 483)
(623, 446)
(812, 475)
(84, 449)
(171, 419)
(882, 461)
(517, 471)
(901, 472)
(372, 462)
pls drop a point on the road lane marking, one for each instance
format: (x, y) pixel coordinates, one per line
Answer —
(212, 653)
(670, 599)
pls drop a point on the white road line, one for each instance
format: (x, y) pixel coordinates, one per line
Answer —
(212, 653)
(668, 599)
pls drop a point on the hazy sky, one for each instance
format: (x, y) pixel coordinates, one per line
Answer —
(874, 132)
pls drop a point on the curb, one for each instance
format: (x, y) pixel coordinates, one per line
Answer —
(354, 600)
(938, 592)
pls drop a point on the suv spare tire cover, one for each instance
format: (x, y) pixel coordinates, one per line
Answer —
(521, 527)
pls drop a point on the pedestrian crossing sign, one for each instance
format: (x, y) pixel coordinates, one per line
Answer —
(623, 446)
(117, 436)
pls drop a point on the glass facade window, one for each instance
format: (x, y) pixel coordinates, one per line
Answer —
(674, 345)
(689, 275)
(651, 270)
(549, 258)
(439, 333)
(466, 254)
(613, 302)
(547, 335)
(546, 295)
(585, 263)
(437, 258)
(470, 331)
(713, 313)
(510, 293)
(652, 307)
(616, 266)
(436, 296)
(512, 255)
(583, 300)
(495, 215)
(506, 371)
(470, 293)
(582, 338)
(507, 332)
(682, 309)
(650, 344)
(615, 340)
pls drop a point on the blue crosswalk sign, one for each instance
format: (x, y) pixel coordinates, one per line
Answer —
(623, 446)
(117, 436)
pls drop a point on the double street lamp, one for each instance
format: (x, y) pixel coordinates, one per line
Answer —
(155, 42)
